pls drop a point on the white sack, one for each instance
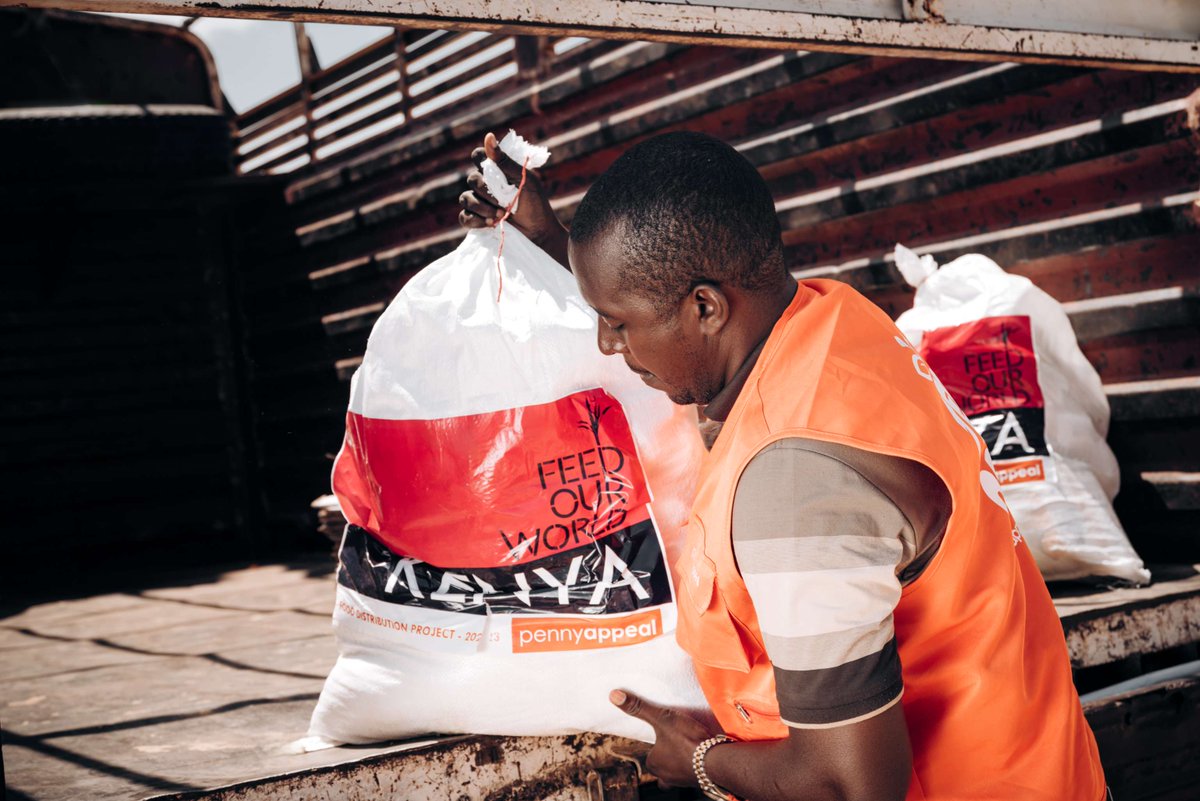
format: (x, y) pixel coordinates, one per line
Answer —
(446, 356)
(974, 323)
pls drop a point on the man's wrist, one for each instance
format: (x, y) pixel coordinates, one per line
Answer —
(550, 234)
(553, 240)
(707, 785)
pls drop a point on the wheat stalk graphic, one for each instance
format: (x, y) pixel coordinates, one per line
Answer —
(592, 423)
(595, 413)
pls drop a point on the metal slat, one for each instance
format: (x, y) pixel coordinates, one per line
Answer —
(274, 122)
(452, 59)
(1177, 490)
(1111, 269)
(1126, 177)
(1021, 105)
(283, 140)
(1028, 157)
(438, 177)
(327, 78)
(249, 120)
(281, 159)
(428, 43)
(432, 138)
(1157, 353)
(451, 84)
(392, 109)
(358, 105)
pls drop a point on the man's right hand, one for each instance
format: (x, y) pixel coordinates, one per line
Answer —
(533, 216)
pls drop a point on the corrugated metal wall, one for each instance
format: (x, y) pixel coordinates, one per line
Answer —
(1082, 180)
(122, 435)
(124, 441)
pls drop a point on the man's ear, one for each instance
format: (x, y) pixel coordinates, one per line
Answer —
(711, 306)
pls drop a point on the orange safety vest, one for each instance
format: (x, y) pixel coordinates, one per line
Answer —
(988, 699)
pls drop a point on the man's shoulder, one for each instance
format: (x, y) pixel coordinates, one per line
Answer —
(801, 486)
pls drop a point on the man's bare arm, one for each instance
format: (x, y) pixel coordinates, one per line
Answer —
(870, 759)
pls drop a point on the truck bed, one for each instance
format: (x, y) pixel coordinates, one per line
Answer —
(200, 687)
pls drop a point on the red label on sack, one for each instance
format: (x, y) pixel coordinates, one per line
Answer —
(986, 364)
(498, 489)
(989, 367)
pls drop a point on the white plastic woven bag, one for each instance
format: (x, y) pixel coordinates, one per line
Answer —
(515, 502)
(1007, 353)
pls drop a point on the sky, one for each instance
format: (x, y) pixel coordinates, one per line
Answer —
(256, 59)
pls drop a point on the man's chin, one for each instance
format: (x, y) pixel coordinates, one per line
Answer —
(680, 397)
(683, 397)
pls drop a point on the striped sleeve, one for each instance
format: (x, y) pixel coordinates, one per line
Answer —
(819, 547)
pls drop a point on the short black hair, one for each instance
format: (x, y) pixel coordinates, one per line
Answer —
(691, 210)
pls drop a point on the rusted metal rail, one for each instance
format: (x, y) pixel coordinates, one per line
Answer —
(583, 767)
(1154, 34)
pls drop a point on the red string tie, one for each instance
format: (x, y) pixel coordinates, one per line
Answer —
(512, 204)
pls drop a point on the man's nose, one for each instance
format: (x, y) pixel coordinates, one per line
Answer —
(609, 342)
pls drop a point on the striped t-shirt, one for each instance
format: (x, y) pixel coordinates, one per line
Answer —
(825, 537)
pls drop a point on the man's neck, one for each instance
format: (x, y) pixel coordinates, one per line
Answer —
(722, 403)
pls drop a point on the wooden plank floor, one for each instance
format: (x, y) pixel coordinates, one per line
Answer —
(132, 694)
(208, 683)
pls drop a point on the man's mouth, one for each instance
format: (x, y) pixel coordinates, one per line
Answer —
(648, 378)
(639, 371)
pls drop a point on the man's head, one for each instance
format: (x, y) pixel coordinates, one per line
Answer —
(677, 246)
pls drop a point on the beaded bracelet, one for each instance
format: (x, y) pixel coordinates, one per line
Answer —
(707, 786)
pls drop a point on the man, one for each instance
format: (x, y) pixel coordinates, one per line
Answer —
(864, 617)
